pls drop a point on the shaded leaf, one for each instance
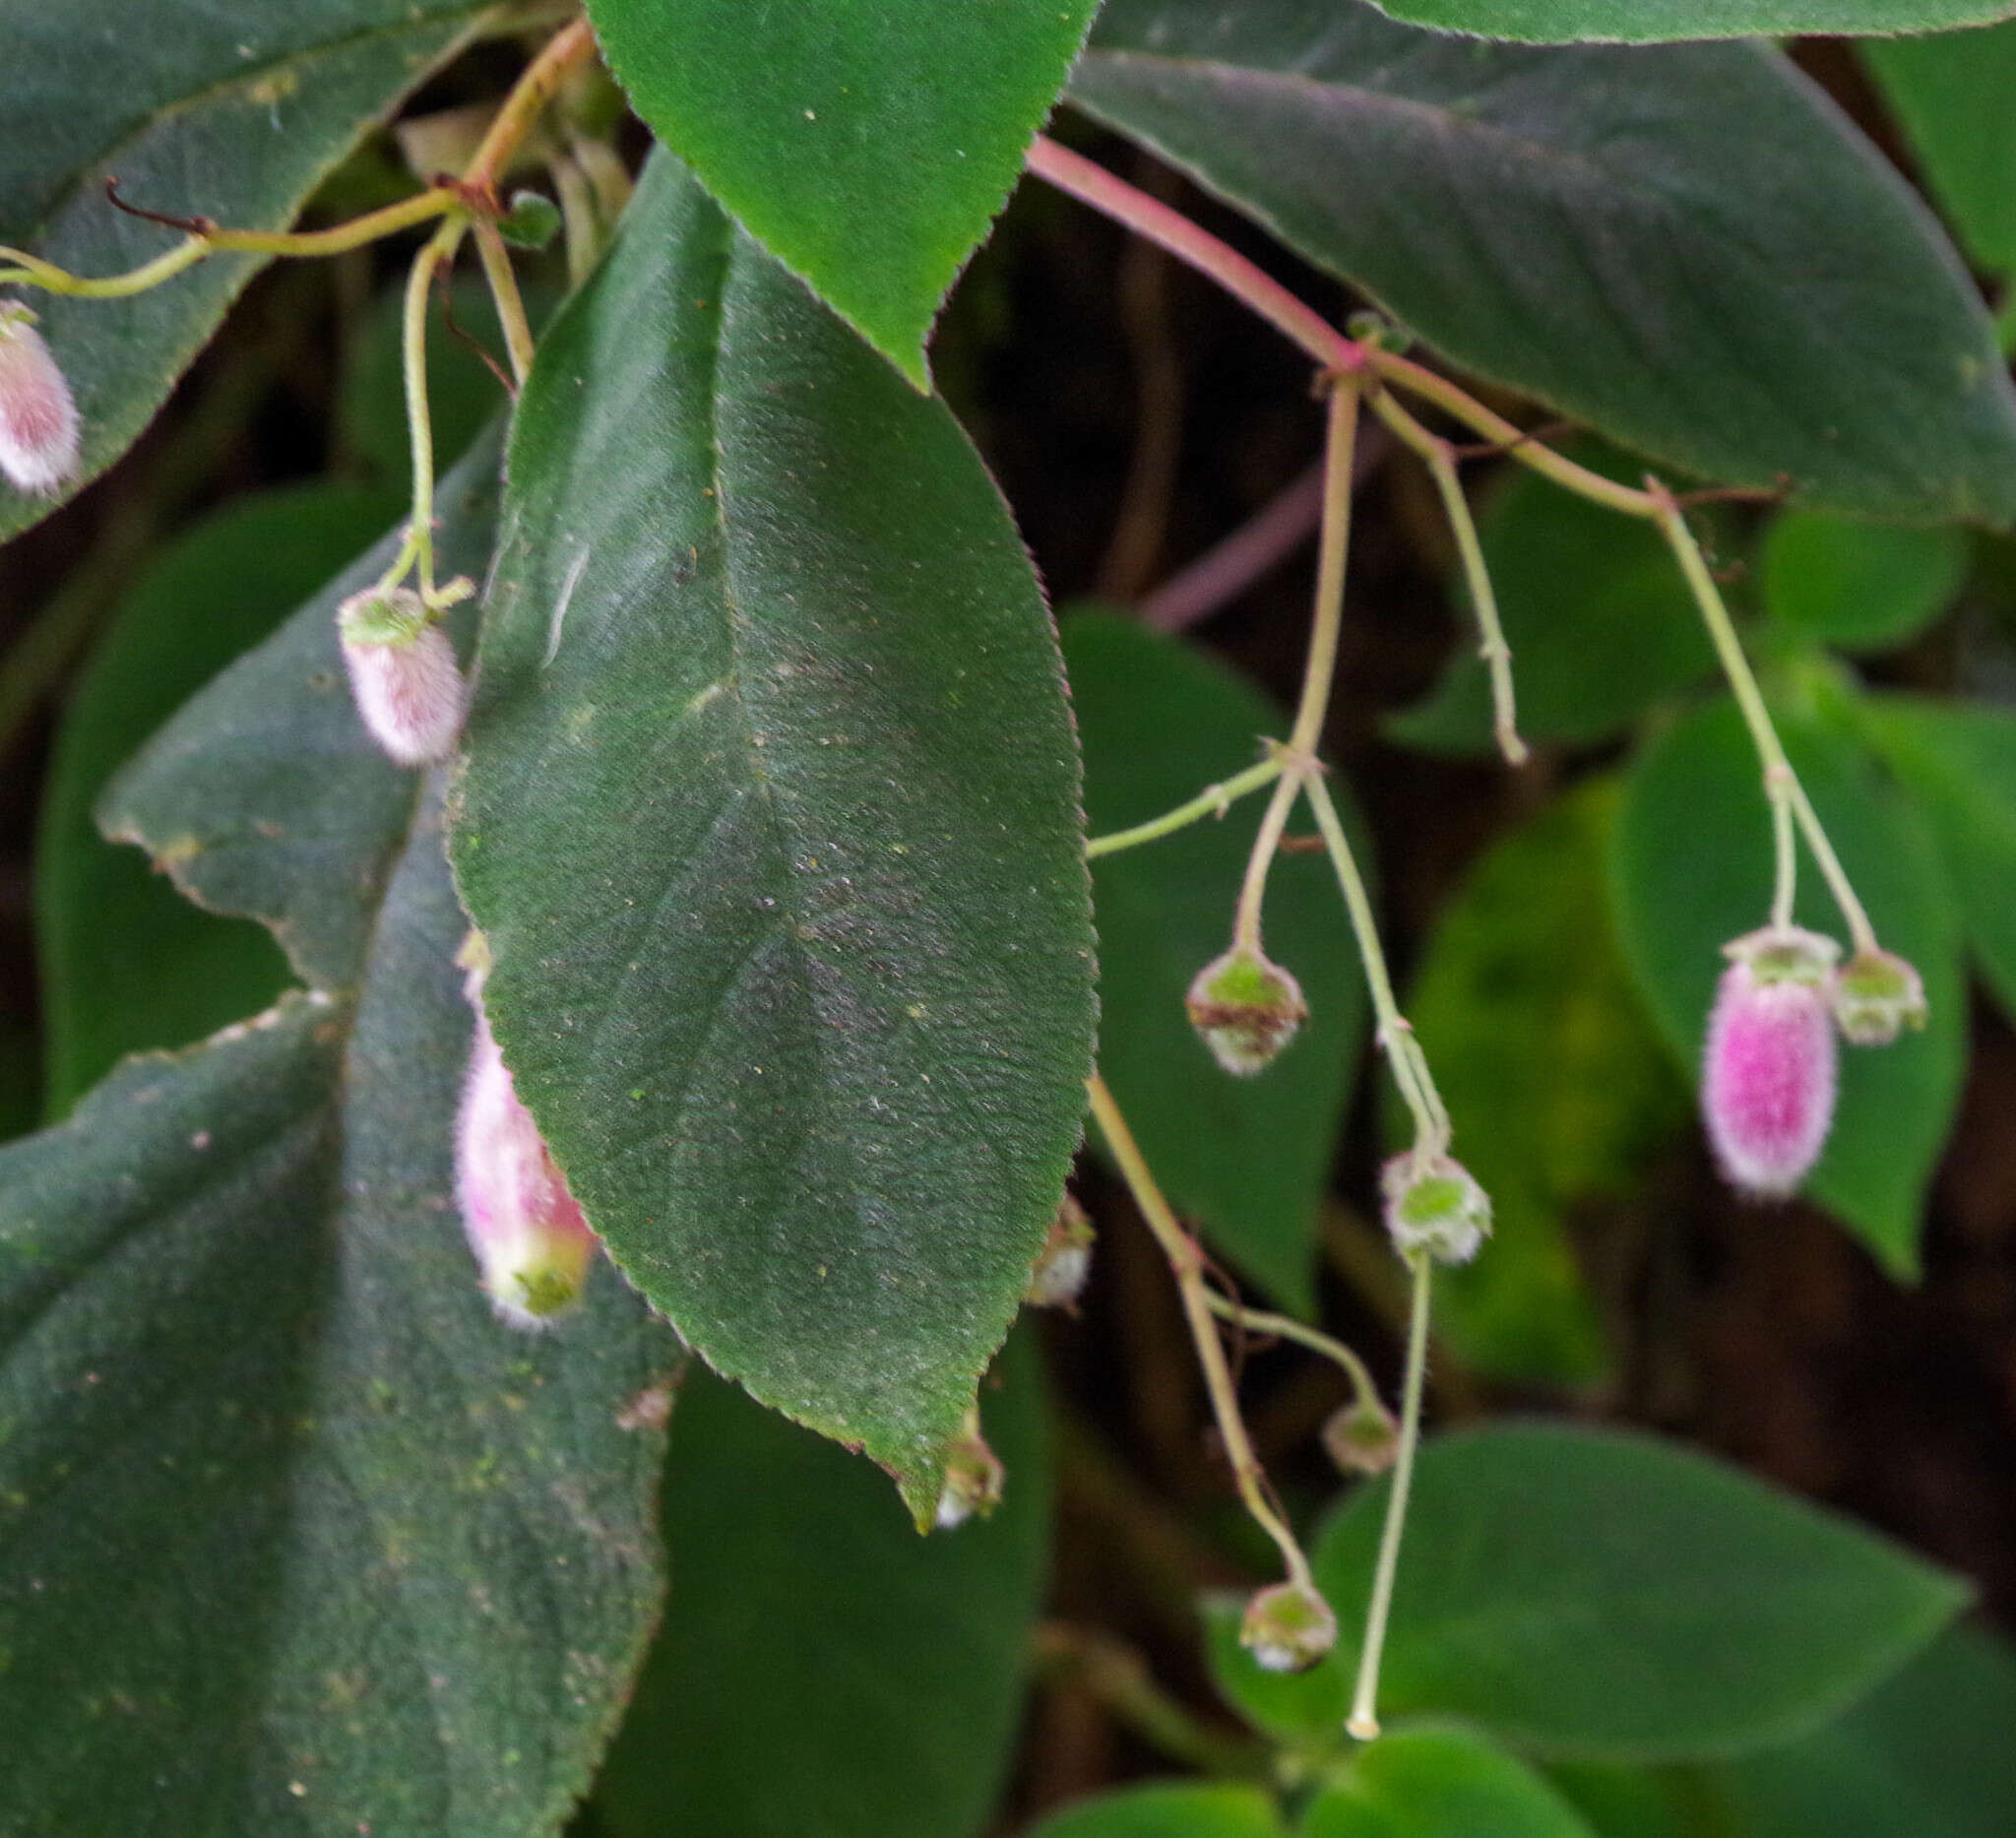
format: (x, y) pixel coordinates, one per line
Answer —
(1589, 1592)
(868, 147)
(1297, 1709)
(232, 109)
(126, 963)
(1439, 1784)
(1688, 248)
(1691, 869)
(771, 817)
(809, 1617)
(1546, 22)
(1168, 1812)
(1863, 587)
(293, 1535)
(1600, 622)
(1554, 1078)
(1248, 1158)
(1958, 764)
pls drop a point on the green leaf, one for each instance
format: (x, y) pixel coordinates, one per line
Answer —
(1952, 95)
(232, 109)
(868, 143)
(772, 819)
(1593, 1594)
(293, 1535)
(1600, 622)
(1168, 1812)
(1688, 248)
(1691, 869)
(127, 964)
(1553, 22)
(1556, 1081)
(1927, 1753)
(808, 1619)
(1958, 764)
(1249, 1157)
(1632, 1802)
(1441, 1784)
(1861, 587)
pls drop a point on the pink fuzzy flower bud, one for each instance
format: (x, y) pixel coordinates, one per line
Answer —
(1288, 1628)
(1434, 1208)
(1362, 1437)
(1767, 1084)
(404, 674)
(1066, 1261)
(1246, 1008)
(38, 418)
(975, 1478)
(1877, 996)
(529, 1235)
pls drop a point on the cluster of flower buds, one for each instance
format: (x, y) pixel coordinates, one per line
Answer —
(1288, 1628)
(974, 1477)
(404, 674)
(1057, 1277)
(1246, 1008)
(1769, 1068)
(1435, 1207)
(38, 429)
(531, 1240)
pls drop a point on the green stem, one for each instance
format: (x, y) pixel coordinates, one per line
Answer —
(1780, 783)
(1187, 1264)
(1287, 1327)
(417, 550)
(1116, 1675)
(1363, 1722)
(1212, 802)
(510, 303)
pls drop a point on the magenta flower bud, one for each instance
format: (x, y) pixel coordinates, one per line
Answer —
(1362, 1437)
(1065, 1260)
(404, 674)
(530, 1239)
(1767, 1083)
(974, 1477)
(1434, 1206)
(1876, 995)
(38, 418)
(1246, 1008)
(1288, 1628)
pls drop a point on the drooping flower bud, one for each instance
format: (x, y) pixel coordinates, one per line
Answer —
(1433, 1205)
(1877, 994)
(1767, 1083)
(402, 672)
(1246, 1008)
(1362, 1437)
(1065, 1260)
(529, 1235)
(1288, 1628)
(974, 1477)
(38, 429)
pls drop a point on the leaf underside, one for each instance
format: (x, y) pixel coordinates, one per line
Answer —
(1546, 22)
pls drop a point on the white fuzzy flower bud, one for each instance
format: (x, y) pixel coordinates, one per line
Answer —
(404, 674)
(38, 430)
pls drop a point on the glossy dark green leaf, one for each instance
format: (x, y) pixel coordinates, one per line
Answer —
(1688, 248)
(822, 1667)
(234, 110)
(1600, 622)
(1589, 1592)
(1558, 1084)
(1247, 1158)
(294, 1535)
(1555, 22)
(1927, 1753)
(772, 820)
(868, 144)
(126, 963)
(1861, 586)
(1958, 764)
(1441, 1784)
(1952, 95)
(1691, 870)
(1188, 1811)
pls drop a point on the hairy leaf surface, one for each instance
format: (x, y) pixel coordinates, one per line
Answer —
(232, 109)
(868, 143)
(294, 1536)
(1546, 22)
(771, 817)
(1688, 248)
